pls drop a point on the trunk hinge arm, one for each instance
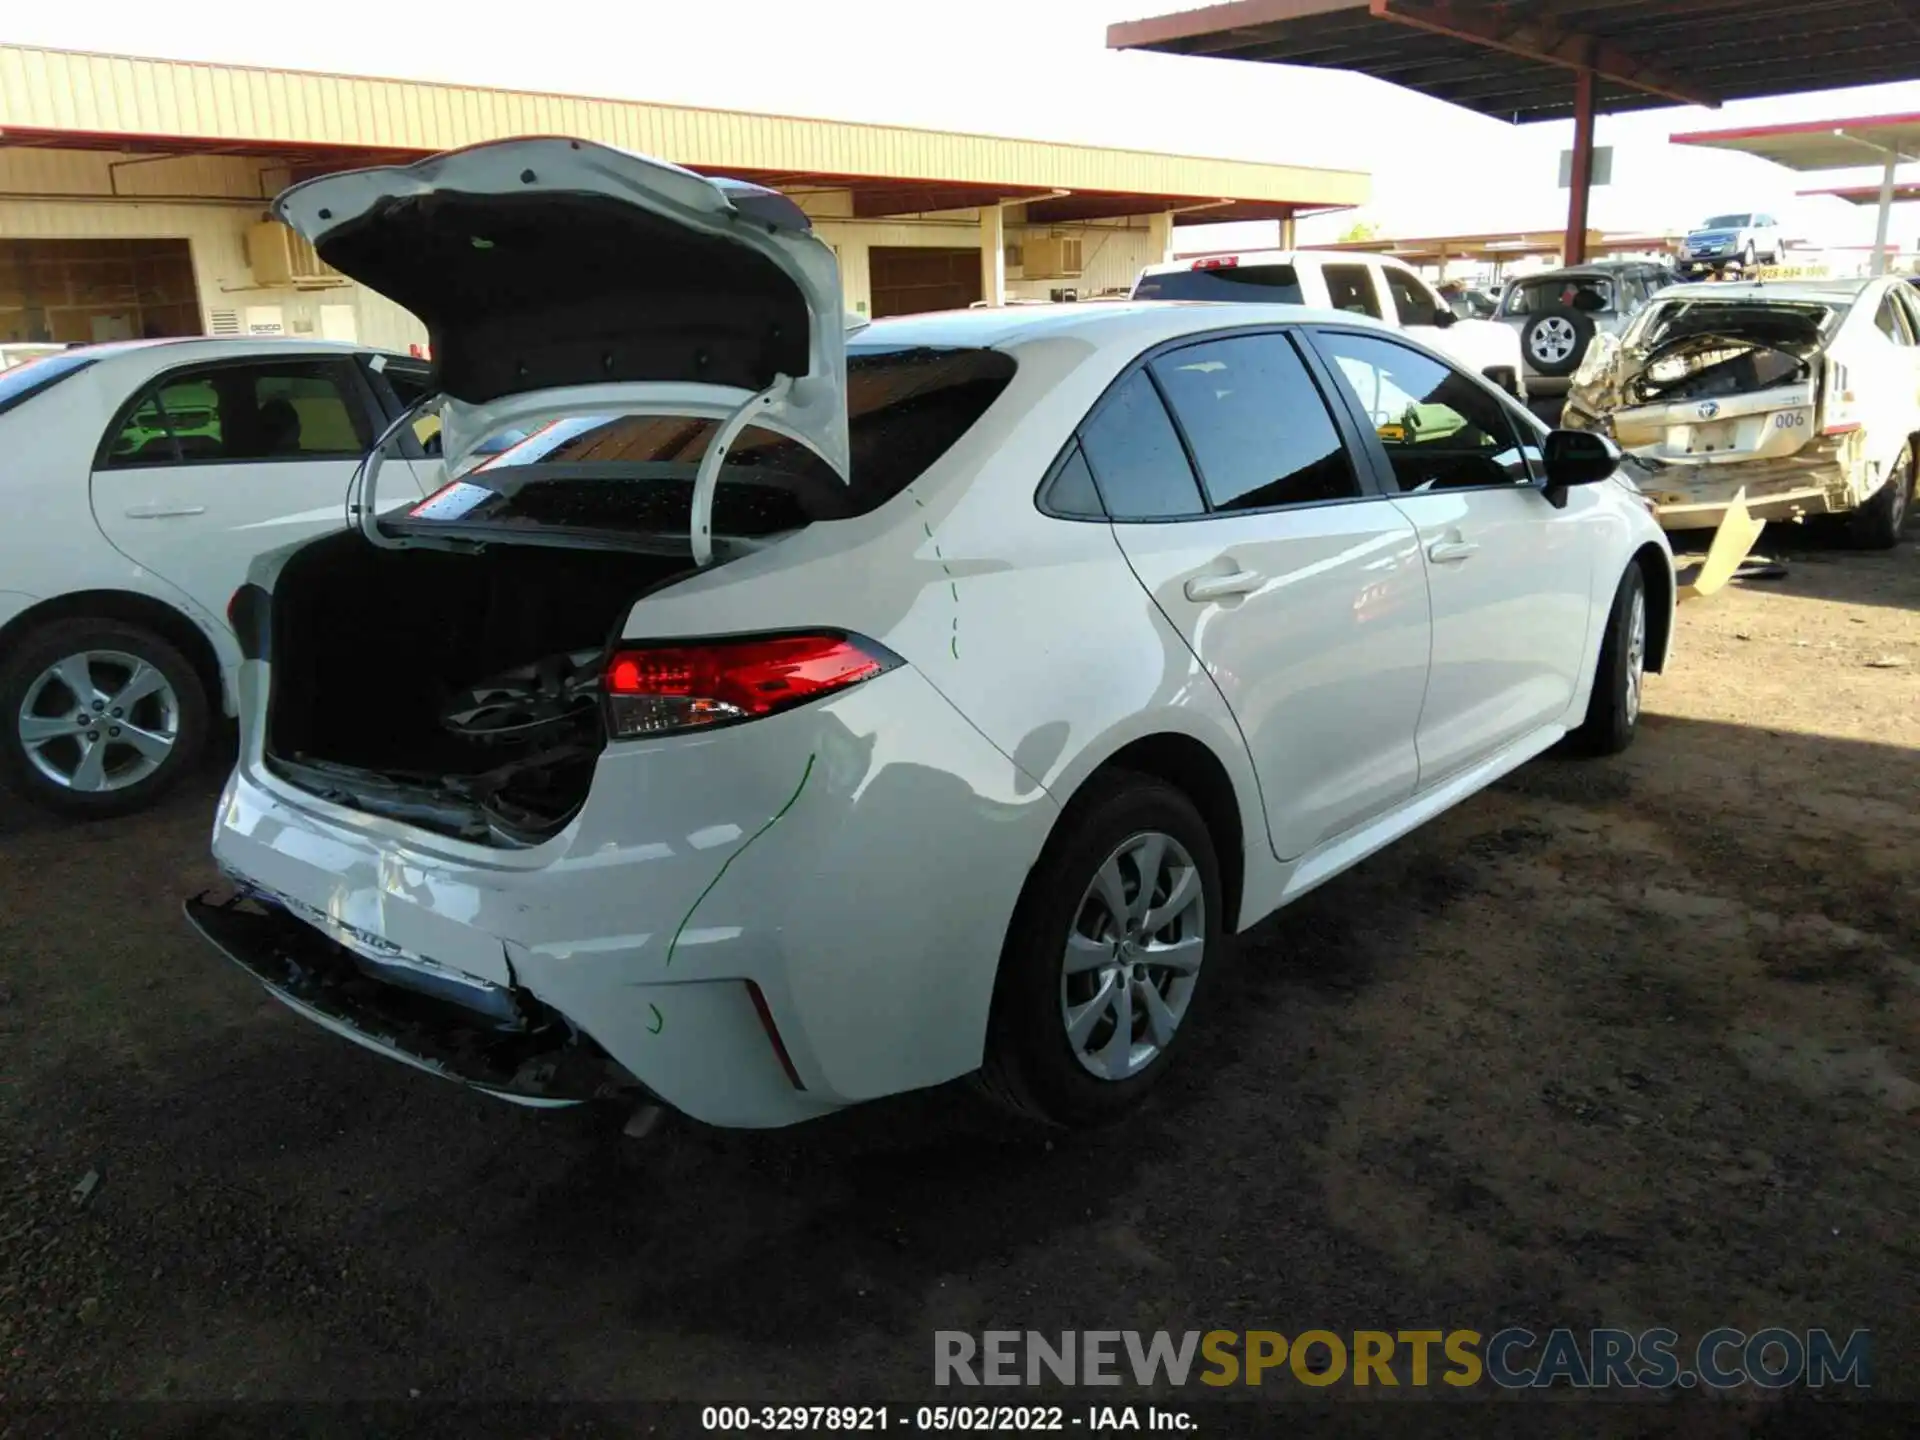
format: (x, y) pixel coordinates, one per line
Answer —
(706, 479)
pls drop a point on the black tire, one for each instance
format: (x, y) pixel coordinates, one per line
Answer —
(1582, 326)
(1877, 524)
(1613, 711)
(45, 647)
(1031, 1068)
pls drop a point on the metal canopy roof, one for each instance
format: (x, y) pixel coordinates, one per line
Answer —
(1870, 194)
(1821, 144)
(1511, 60)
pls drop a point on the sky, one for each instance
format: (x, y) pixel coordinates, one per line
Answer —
(1038, 69)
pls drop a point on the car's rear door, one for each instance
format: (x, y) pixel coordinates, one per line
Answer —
(1235, 497)
(1509, 575)
(209, 465)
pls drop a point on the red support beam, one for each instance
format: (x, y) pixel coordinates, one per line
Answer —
(1574, 252)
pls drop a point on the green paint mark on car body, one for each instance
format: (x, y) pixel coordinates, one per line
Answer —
(772, 820)
(659, 1020)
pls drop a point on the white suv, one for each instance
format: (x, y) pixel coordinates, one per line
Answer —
(141, 478)
(1746, 239)
(1372, 285)
(802, 718)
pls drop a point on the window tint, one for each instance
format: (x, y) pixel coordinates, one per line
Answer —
(1136, 457)
(1572, 292)
(1892, 321)
(1072, 492)
(1253, 284)
(1440, 429)
(1350, 287)
(411, 384)
(633, 474)
(276, 411)
(1410, 298)
(1259, 429)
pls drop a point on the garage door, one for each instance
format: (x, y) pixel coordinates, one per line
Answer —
(907, 280)
(91, 290)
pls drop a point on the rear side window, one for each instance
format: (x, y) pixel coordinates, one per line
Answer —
(1892, 321)
(1260, 432)
(633, 474)
(277, 410)
(1410, 299)
(1350, 288)
(1249, 284)
(21, 383)
(1136, 455)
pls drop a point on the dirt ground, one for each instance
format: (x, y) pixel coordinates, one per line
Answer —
(1628, 1043)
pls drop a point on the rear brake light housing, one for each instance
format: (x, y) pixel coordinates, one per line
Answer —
(1216, 262)
(669, 689)
(1837, 413)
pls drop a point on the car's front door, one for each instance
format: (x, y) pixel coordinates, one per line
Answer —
(1234, 495)
(1510, 575)
(212, 464)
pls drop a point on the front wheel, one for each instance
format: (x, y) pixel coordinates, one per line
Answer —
(1613, 711)
(98, 718)
(1105, 957)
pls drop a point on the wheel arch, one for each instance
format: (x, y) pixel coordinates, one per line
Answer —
(1190, 766)
(1657, 572)
(130, 608)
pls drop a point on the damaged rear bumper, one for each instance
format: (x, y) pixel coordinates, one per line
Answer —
(505, 1044)
(1697, 497)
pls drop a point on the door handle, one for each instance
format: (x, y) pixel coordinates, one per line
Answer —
(1445, 552)
(162, 512)
(1218, 587)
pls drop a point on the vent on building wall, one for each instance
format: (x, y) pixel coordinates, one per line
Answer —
(278, 258)
(1056, 257)
(223, 322)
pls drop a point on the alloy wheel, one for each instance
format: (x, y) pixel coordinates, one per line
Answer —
(1553, 340)
(99, 720)
(1636, 653)
(1133, 956)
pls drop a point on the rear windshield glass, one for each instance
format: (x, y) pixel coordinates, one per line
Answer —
(633, 474)
(1259, 284)
(22, 382)
(1561, 292)
(1769, 322)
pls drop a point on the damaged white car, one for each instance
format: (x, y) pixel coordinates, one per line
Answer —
(1804, 395)
(797, 717)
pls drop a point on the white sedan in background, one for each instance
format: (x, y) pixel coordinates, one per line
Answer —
(140, 480)
(810, 717)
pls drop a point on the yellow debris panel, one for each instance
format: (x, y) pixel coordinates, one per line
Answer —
(1732, 543)
(123, 95)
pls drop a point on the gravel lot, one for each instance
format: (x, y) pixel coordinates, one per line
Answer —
(1627, 1043)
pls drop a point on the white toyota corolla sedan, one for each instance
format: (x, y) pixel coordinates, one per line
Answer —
(799, 716)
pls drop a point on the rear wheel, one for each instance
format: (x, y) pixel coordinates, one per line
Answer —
(1105, 956)
(1877, 524)
(1613, 711)
(98, 717)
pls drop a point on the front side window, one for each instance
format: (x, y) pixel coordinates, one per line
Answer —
(410, 385)
(1136, 455)
(1441, 430)
(1260, 432)
(1350, 288)
(282, 410)
(1410, 298)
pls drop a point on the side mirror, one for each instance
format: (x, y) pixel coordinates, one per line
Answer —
(1443, 317)
(1576, 457)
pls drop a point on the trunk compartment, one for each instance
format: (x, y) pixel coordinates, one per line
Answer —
(459, 692)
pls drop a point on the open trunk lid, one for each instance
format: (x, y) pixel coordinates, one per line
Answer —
(559, 278)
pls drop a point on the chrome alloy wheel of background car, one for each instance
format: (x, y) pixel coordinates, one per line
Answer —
(1553, 340)
(99, 720)
(1133, 956)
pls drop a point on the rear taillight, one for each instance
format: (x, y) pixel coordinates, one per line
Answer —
(663, 689)
(1216, 262)
(1837, 414)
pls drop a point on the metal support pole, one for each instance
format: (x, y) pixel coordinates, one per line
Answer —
(1886, 214)
(1574, 250)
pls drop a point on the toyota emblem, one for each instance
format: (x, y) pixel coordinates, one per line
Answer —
(1709, 409)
